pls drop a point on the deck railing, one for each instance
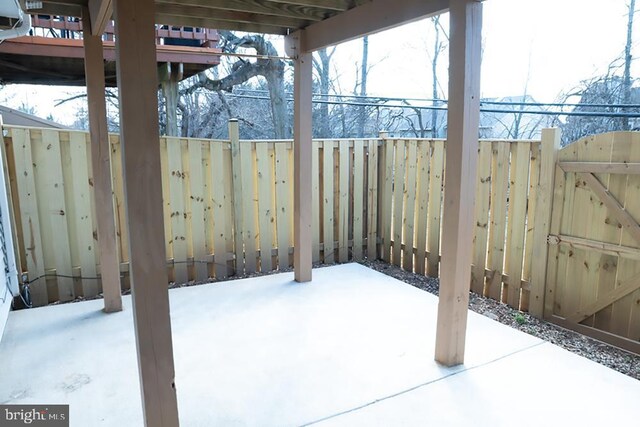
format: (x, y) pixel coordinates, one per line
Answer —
(71, 28)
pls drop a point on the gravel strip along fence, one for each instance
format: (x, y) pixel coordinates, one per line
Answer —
(605, 354)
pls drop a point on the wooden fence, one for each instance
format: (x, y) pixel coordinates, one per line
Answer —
(593, 281)
(228, 210)
(505, 215)
(226, 204)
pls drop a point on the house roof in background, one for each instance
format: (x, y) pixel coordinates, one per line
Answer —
(18, 118)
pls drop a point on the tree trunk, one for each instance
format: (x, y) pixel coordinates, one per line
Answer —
(323, 72)
(627, 64)
(362, 113)
(434, 70)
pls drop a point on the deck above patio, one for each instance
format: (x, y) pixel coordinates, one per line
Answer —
(353, 347)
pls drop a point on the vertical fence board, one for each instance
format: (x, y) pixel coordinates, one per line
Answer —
(408, 219)
(47, 158)
(534, 182)
(166, 201)
(358, 198)
(229, 208)
(315, 201)
(28, 202)
(557, 211)
(567, 267)
(283, 203)
(564, 252)
(238, 197)
(118, 192)
(178, 213)
(633, 207)
(248, 205)
(208, 204)
(372, 199)
(422, 184)
(603, 271)
(9, 170)
(483, 193)
(518, 189)
(499, 186)
(220, 225)
(80, 216)
(436, 174)
(266, 217)
(343, 218)
(387, 199)
(399, 176)
(596, 215)
(327, 194)
(197, 205)
(541, 253)
(627, 268)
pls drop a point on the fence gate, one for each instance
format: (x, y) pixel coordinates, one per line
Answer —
(593, 276)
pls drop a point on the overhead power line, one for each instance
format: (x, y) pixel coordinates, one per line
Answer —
(444, 101)
(442, 108)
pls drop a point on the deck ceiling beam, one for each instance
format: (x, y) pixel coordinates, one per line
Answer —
(172, 14)
(369, 18)
(183, 21)
(258, 7)
(100, 12)
(338, 5)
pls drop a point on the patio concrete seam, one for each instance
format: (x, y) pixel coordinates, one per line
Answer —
(416, 387)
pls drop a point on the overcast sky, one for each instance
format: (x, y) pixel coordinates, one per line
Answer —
(556, 43)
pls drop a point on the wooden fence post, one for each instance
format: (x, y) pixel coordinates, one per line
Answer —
(234, 137)
(16, 232)
(549, 146)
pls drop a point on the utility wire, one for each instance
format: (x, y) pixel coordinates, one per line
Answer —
(444, 101)
(442, 108)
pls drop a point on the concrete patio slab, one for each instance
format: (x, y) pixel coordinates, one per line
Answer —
(354, 347)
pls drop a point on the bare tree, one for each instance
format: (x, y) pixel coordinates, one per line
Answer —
(267, 65)
(438, 47)
(322, 67)
(364, 72)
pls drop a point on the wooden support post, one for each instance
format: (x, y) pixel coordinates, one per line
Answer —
(461, 161)
(549, 146)
(170, 75)
(302, 158)
(137, 83)
(101, 165)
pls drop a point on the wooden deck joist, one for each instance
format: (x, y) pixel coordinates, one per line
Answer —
(61, 61)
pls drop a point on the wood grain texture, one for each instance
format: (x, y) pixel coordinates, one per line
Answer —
(302, 164)
(358, 194)
(462, 155)
(434, 221)
(101, 170)
(136, 69)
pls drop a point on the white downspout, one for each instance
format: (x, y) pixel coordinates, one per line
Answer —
(22, 29)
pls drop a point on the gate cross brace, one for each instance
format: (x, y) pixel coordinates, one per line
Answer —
(623, 289)
(621, 214)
